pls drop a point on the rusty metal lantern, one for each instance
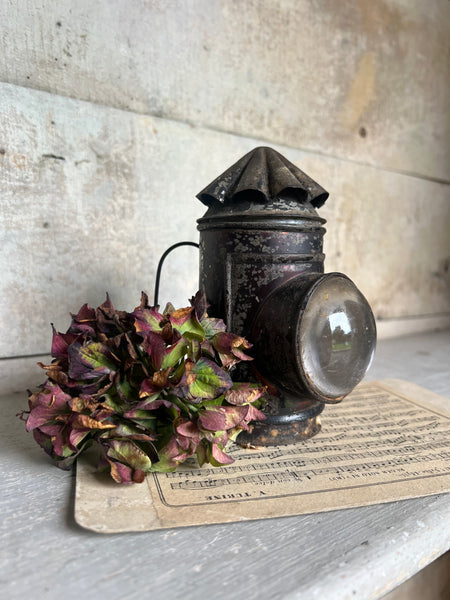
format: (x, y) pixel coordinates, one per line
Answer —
(262, 269)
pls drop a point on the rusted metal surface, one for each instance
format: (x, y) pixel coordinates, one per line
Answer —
(287, 422)
(260, 230)
(264, 434)
(269, 331)
(268, 175)
(284, 322)
(261, 254)
(251, 241)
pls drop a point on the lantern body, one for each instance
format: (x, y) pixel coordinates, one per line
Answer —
(262, 269)
(244, 257)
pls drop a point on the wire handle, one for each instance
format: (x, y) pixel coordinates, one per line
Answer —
(160, 264)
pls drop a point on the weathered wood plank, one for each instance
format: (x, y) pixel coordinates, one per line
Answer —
(91, 197)
(366, 81)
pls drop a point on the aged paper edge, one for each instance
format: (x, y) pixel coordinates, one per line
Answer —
(105, 507)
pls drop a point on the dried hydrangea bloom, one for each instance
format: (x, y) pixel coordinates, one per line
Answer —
(149, 389)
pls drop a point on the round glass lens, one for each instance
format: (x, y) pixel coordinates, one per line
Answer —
(336, 337)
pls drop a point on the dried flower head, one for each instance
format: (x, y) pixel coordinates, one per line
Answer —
(150, 389)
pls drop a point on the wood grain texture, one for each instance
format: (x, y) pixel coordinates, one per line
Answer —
(361, 80)
(92, 196)
(357, 553)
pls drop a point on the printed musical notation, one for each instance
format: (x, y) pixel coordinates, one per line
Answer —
(375, 442)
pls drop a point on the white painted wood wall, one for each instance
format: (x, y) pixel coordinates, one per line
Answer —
(114, 114)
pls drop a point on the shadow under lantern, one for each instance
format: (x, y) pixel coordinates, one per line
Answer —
(262, 269)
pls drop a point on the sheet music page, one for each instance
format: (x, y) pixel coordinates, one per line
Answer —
(378, 445)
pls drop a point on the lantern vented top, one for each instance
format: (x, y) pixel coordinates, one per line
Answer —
(262, 174)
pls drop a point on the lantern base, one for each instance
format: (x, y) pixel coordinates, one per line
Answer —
(289, 420)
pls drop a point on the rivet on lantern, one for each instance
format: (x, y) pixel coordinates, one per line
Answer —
(262, 269)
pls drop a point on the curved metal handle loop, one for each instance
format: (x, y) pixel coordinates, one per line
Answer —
(160, 264)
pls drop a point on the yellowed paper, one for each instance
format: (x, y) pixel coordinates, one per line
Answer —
(385, 442)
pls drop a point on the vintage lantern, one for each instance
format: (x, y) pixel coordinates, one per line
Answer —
(262, 269)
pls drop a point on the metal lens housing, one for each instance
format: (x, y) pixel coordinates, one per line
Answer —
(336, 337)
(322, 334)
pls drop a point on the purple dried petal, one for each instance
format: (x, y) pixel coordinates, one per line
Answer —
(242, 393)
(155, 347)
(223, 417)
(111, 322)
(223, 342)
(90, 361)
(200, 304)
(59, 443)
(44, 441)
(216, 437)
(231, 348)
(228, 360)
(52, 429)
(61, 343)
(147, 319)
(214, 420)
(188, 429)
(124, 474)
(46, 405)
(220, 456)
(254, 414)
(76, 436)
(240, 354)
(107, 304)
(208, 349)
(149, 405)
(83, 321)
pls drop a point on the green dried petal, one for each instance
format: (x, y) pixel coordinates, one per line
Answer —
(212, 327)
(128, 453)
(173, 354)
(147, 319)
(207, 380)
(184, 320)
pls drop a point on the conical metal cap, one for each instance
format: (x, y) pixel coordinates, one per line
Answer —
(266, 174)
